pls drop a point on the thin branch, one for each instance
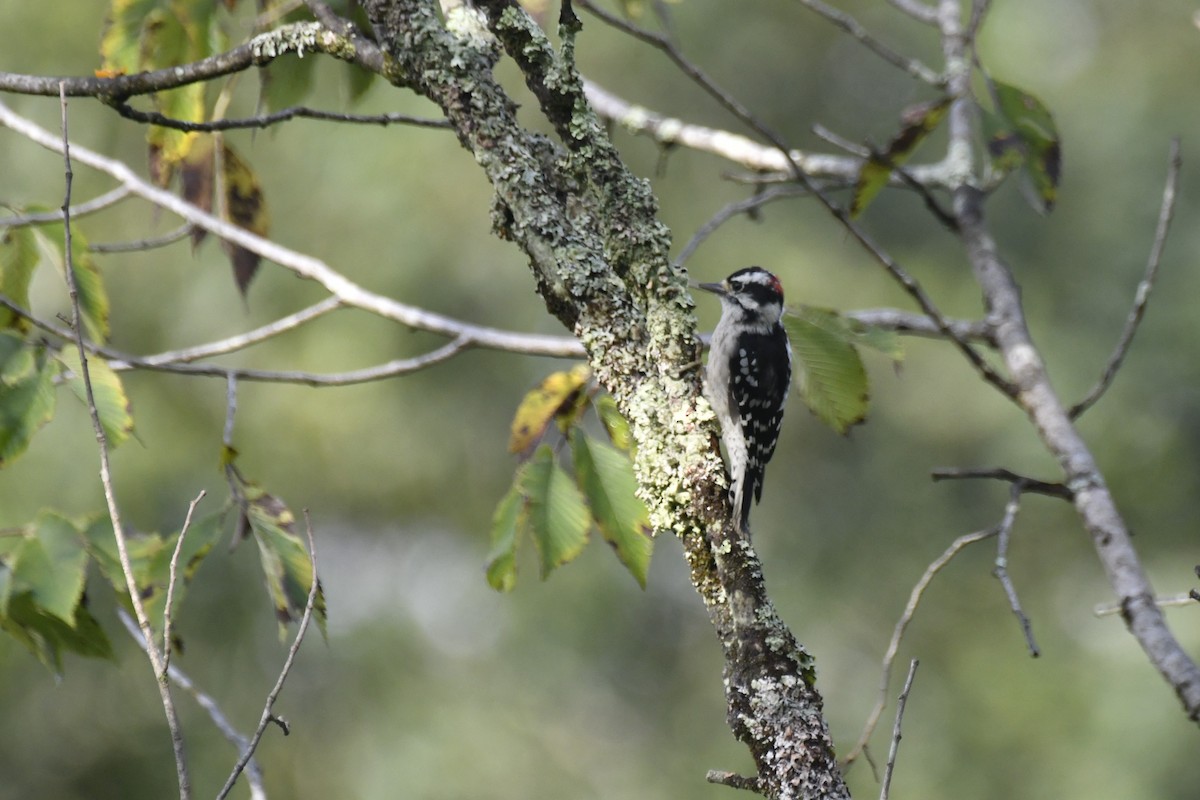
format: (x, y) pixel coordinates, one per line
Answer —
(917, 10)
(266, 120)
(1174, 601)
(109, 198)
(247, 339)
(735, 209)
(901, 701)
(855, 29)
(139, 245)
(297, 37)
(268, 715)
(135, 596)
(348, 292)
(910, 609)
(1026, 484)
(734, 781)
(1011, 508)
(120, 361)
(1165, 214)
(230, 410)
(908, 323)
(172, 577)
(181, 679)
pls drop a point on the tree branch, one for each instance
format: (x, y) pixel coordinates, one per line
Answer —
(1036, 396)
(347, 292)
(157, 660)
(299, 37)
(1165, 214)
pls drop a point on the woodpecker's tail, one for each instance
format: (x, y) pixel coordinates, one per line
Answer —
(741, 500)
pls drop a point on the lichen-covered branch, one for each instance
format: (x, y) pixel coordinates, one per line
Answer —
(599, 257)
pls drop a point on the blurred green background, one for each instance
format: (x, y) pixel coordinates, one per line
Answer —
(432, 686)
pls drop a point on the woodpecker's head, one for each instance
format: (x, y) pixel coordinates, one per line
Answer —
(751, 295)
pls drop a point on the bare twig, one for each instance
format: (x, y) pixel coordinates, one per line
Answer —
(1174, 601)
(917, 10)
(914, 600)
(1165, 214)
(273, 118)
(901, 701)
(120, 361)
(181, 679)
(109, 198)
(734, 209)
(1000, 570)
(172, 576)
(856, 30)
(135, 597)
(1026, 484)
(230, 410)
(268, 714)
(138, 245)
(734, 781)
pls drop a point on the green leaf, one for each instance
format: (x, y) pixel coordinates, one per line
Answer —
(18, 258)
(507, 525)
(1022, 130)
(52, 564)
(93, 298)
(149, 557)
(42, 571)
(121, 42)
(614, 423)
(556, 395)
(917, 123)
(285, 560)
(606, 477)
(557, 514)
(27, 399)
(47, 636)
(828, 369)
(112, 404)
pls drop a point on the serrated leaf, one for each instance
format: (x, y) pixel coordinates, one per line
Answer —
(828, 370)
(149, 557)
(112, 404)
(17, 360)
(26, 403)
(614, 422)
(917, 122)
(180, 33)
(47, 636)
(1022, 125)
(606, 477)
(245, 207)
(285, 560)
(507, 525)
(555, 395)
(857, 333)
(201, 538)
(52, 565)
(557, 514)
(18, 259)
(121, 42)
(93, 297)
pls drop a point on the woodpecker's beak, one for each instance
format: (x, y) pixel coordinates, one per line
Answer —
(715, 288)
